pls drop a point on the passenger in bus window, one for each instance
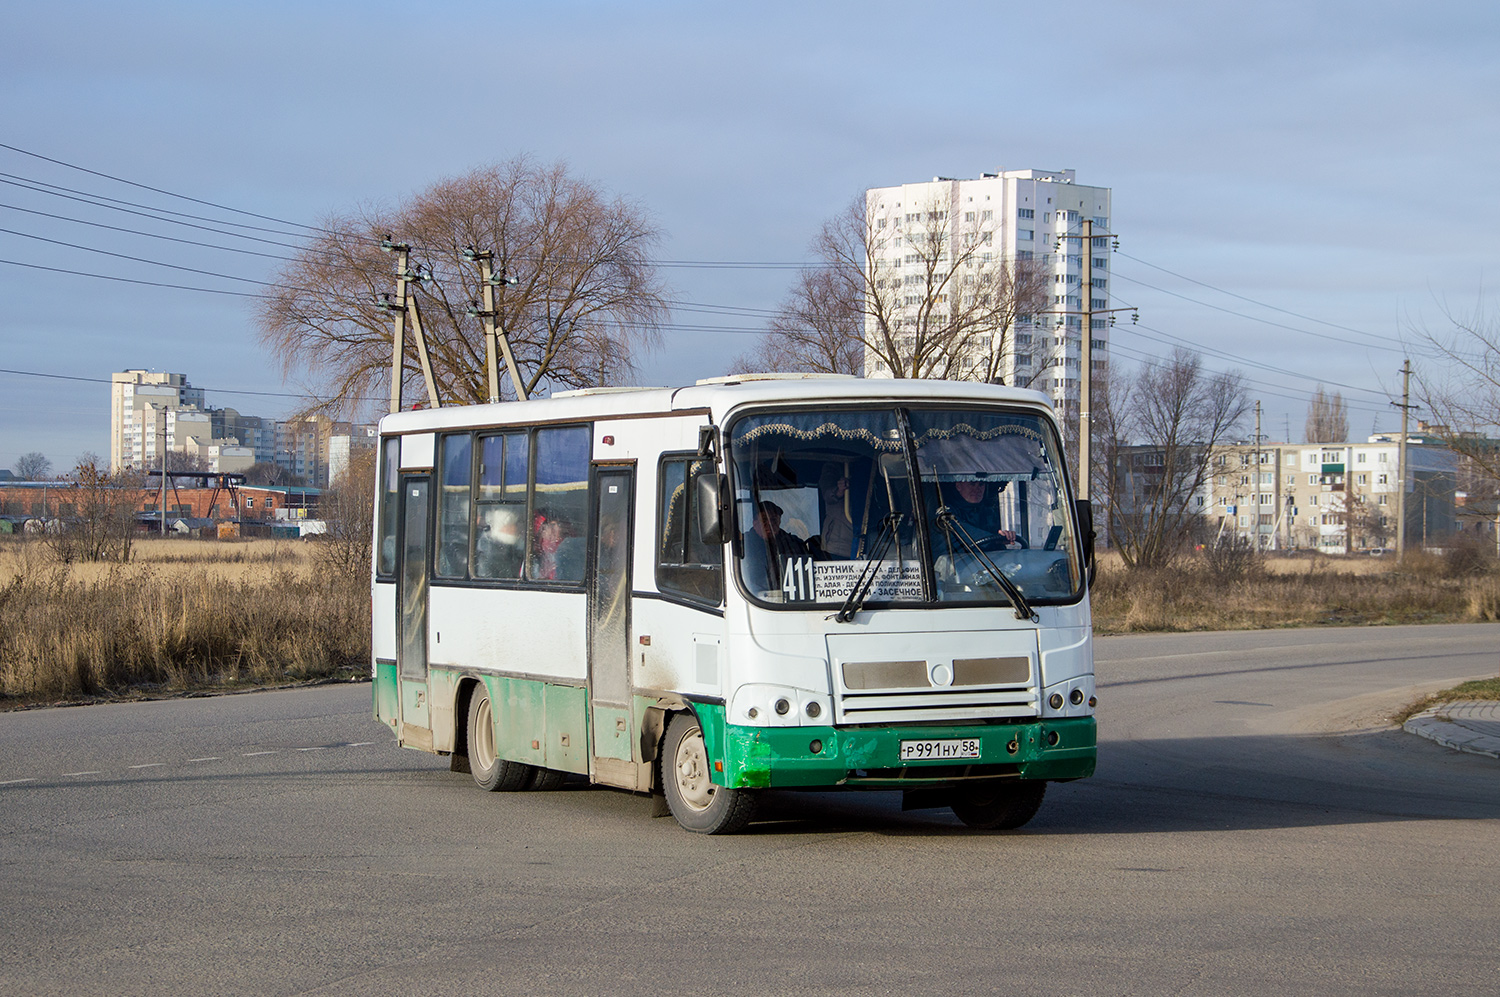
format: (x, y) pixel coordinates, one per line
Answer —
(768, 547)
(499, 549)
(558, 550)
(837, 536)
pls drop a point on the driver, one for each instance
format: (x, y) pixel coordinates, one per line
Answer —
(977, 509)
(768, 547)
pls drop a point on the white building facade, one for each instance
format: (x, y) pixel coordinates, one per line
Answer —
(1333, 497)
(1015, 215)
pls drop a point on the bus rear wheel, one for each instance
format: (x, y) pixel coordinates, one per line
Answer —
(491, 772)
(686, 780)
(546, 780)
(999, 806)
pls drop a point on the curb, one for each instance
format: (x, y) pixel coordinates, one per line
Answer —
(1472, 727)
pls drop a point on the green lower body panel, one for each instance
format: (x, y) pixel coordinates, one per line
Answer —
(770, 757)
(540, 723)
(385, 692)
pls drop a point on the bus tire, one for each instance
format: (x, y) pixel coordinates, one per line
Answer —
(546, 780)
(491, 772)
(696, 803)
(1000, 805)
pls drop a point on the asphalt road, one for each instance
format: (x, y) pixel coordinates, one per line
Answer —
(1254, 828)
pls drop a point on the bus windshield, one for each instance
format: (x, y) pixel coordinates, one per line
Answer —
(902, 506)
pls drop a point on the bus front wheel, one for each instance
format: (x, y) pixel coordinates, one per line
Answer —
(686, 780)
(490, 771)
(1001, 805)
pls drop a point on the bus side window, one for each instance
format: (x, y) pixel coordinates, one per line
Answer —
(452, 538)
(390, 504)
(500, 509)
(560, 504)
(685, 565)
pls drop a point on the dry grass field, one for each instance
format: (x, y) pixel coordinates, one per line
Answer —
(1293, 592)
(188, 614)
(183, 614)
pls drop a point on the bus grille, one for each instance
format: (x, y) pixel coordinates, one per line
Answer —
(933, 704)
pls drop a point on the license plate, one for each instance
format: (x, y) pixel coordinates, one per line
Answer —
(964, 747)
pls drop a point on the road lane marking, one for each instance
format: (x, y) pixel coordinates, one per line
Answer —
(255, 754)
(150, 765)
(82, 773)
(12, 782)
(359, 744)
(205, 758)
(319, 747)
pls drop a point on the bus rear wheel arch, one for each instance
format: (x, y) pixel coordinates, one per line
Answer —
(491, 772)
(686, 781)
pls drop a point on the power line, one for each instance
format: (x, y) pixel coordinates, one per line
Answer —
(157, 190)
(1253, 301)
(89, 199)
(1137, 328)
(1265, 321)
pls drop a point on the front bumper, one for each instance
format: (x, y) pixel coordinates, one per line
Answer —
(869, 757)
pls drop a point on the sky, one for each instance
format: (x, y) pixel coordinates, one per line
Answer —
(1301, 191)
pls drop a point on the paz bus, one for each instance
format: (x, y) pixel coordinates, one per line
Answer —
(756, 582)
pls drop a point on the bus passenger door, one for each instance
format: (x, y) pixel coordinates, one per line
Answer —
(609, 627)
(411, 600)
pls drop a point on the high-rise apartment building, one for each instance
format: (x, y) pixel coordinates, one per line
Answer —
(138, 401)
(930, 241)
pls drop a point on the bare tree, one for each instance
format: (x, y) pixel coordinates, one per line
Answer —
(585, 297)
(1327, 418)
(1178, 414)
(817, 330)
(33, 466)
(922, 294)
(103, 521)
(1460, 386)
(264, 472)
(347, 509)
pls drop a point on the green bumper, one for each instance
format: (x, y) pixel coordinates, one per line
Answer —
(761, 757)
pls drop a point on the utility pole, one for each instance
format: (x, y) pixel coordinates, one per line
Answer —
(495, 339)
(1086, 344)
(1255, 518)
(1085, 356)
(1405, 407)
(162, 504)
(401, 304)
(398, 335)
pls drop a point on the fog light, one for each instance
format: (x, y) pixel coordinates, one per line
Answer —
(782, 707)
(1076, 697)
(815, 747)
(814, 710)
(1052, 738)
(1055, 701)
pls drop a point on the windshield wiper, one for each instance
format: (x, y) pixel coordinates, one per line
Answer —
(950, 525)
(855, 600)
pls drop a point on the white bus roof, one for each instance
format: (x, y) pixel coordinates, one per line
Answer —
(718, 397)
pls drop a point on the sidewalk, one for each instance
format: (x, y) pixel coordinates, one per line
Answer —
(1472, 726)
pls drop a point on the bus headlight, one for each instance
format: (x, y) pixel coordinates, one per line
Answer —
(777, 706)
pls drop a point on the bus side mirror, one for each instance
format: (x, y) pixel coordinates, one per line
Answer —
(709, 490)
(1086, 535)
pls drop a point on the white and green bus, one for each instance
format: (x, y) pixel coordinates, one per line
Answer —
(752, 583)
